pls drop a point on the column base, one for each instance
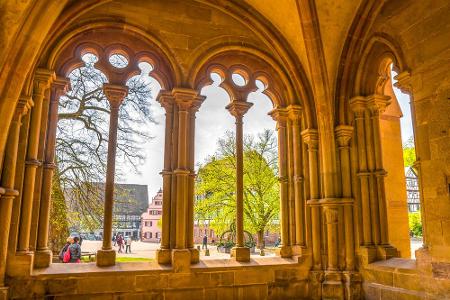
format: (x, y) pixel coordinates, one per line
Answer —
(4, 293)
(241, 254)
(106, 258)
(386, 251)
(181, 260)
(164, 256)
(284, 251)
(423, 260)
(368, 255)
(43, 258)
(195, 255)
(332, 286)
(20, 264)
(352, 281)
(316, 278)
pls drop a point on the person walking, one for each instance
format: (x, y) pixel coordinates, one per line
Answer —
(128, 244)
(75, 251)
(69, 241)
(205, 242)
(120, 243)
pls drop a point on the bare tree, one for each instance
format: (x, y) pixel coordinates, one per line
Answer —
(82, 138)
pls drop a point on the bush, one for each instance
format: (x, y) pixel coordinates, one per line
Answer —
(415, 224)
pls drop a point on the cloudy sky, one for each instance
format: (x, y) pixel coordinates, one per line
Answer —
(212, 121)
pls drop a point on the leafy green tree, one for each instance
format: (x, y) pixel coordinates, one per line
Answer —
(409, 152)
(216, 185)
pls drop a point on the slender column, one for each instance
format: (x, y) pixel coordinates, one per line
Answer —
(238, 109)
(295, 115)
(290, 178)
(377, 105)
(42, 81)
(281, 116)
(344, 134)
(115, 95)
(7, 181)
(311, 138)
(331, 219)
(43, 254)
(167, 102)
(191, 190)
(358, 105)
(373, 198)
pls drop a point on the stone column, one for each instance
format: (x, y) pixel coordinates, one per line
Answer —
(358, 105)
(377, 105)
(331, 220)
(311, 138)
(280, 115)
(187, 101)
(195, 255)
(295, 116)
(43, 255)
(42, 80)
(115, 95)
(238, 109)
(7, 180)
(344, 134)
(163, 254)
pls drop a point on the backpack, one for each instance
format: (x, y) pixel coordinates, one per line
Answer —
(66, 257)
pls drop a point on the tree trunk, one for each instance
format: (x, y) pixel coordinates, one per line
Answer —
(261, 242)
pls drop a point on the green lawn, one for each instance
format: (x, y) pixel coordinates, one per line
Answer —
(128, 259)
(122, 259)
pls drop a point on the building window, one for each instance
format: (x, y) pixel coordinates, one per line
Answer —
(151, 223)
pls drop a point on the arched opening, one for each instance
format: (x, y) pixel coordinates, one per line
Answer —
(402, 187)
(216, 152)
(81, 159)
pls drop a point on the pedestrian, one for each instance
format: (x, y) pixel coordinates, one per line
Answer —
(205, 242)
(69, 241)
(128, 244)
(120, 243)
(114, 239)
(75, 251)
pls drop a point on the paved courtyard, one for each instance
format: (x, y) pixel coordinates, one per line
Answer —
(147, 250)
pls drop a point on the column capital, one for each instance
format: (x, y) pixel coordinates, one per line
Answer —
(295, 112)
(358, 104)
(187, 99)
(115, 94)
(60, 86)
(280, 115)
(42, 80)
(23, 106)
(166, 100)
(404, 82)
(238, 108)
(311, 138)
(343, 135)
(378, 103)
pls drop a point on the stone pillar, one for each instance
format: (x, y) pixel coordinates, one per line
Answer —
(187, 101)
(115, 95)
(9, 194)
(42, 80)
(377, 105)
(43, 255)
(311, 138)
(344, 134)
(358, 105)
(195, 254)
(238, 109)
(163, 255)
(295, 113)
(280, 115)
